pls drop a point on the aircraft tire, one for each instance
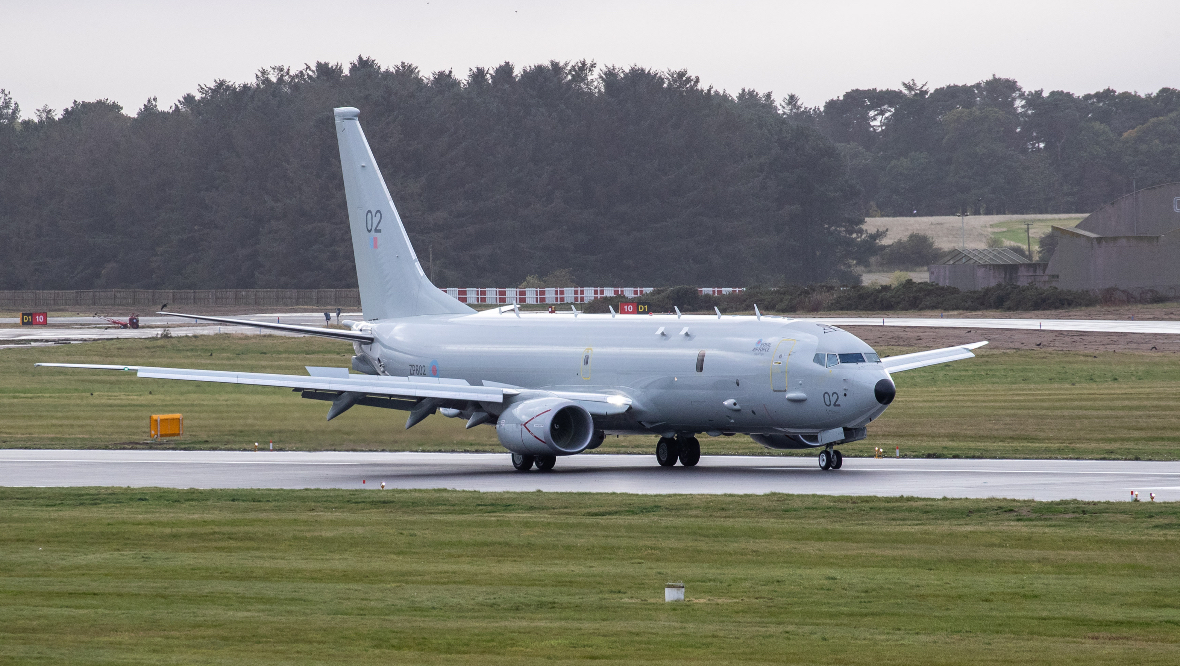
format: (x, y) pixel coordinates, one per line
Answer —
(690, 451)
(825, 460)
(545, 463)
(521, 462)
(837, 459)
(667, 452)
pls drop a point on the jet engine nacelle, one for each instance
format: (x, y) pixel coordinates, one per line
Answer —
(545, 426)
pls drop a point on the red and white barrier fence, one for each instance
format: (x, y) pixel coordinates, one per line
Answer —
(563, 294)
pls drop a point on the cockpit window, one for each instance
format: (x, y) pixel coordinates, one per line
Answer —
(829, 360)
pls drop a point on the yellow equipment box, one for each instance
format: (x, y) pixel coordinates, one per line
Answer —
(167, 425)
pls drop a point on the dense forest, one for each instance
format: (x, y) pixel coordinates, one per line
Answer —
(619, 176)
(603, 176)
(993, 147)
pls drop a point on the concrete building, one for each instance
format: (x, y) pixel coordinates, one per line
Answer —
(973, 269)
(1132, 244)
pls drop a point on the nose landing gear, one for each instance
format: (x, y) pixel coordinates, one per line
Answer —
(830, 459)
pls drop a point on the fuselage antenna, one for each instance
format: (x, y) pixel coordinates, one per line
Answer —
(677, 311)
(715, 309)
(612, 312)
(757, 313)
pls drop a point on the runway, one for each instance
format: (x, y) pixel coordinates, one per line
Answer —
(1017, 479)
(64, 330)
(1076, 325)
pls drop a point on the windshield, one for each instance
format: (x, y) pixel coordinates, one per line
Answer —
(829, 360)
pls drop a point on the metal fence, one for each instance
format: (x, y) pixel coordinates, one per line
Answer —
(154, 298)
(342, 298)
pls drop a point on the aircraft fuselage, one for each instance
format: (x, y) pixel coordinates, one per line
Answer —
(688, 373)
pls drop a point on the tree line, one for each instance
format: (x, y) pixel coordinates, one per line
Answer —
(591, 175)
(993, 147)
(618, 176)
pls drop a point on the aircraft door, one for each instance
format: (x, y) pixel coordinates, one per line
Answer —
(779, 362)
(586, 358)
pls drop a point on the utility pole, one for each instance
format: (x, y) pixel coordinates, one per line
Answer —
(432, 263)
(1028, 235)
(962, 231)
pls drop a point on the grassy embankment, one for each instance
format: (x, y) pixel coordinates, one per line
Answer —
(164, 576)
(1002, 404)
(1013, 231)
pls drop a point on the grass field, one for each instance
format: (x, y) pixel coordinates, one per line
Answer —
(228, 577)
(1013, 231)
(1001, 404)
(947, 230)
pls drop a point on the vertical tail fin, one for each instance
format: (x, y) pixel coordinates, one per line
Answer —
(392, 282)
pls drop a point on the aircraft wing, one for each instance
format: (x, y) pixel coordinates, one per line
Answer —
(409, 387)
(933, 357)
(339, 334)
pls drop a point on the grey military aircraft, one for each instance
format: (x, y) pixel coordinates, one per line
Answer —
(555, 384)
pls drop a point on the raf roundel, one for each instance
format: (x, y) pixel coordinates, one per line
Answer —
(434, 368)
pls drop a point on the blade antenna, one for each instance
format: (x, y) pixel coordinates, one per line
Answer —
(757, 313)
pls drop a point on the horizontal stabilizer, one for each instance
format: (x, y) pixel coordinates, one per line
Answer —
(933, 357)
(337, 333)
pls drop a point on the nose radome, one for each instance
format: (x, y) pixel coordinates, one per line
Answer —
(885, 391)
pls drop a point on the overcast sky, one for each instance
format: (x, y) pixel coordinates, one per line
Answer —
(55, 52)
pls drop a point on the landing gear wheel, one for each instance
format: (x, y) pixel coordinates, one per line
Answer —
(690, 451)
(825, 460)
(837, 459)
(546, 463)
(666, 451)
(521, 462)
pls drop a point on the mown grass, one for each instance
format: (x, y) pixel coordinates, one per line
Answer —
(1001, 404)
(174, 576)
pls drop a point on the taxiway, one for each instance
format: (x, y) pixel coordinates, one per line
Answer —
(1017, 479)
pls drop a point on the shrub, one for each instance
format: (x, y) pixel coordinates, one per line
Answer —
(908, 295)
(914, 250)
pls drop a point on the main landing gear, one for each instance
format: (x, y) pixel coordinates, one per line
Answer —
(830, 459)
(524, 463)
(685, 449)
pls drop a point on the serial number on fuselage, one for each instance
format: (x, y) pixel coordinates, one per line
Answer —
(419, 371)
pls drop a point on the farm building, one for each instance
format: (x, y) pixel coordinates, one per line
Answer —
(971, 269)
(1132, 244)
